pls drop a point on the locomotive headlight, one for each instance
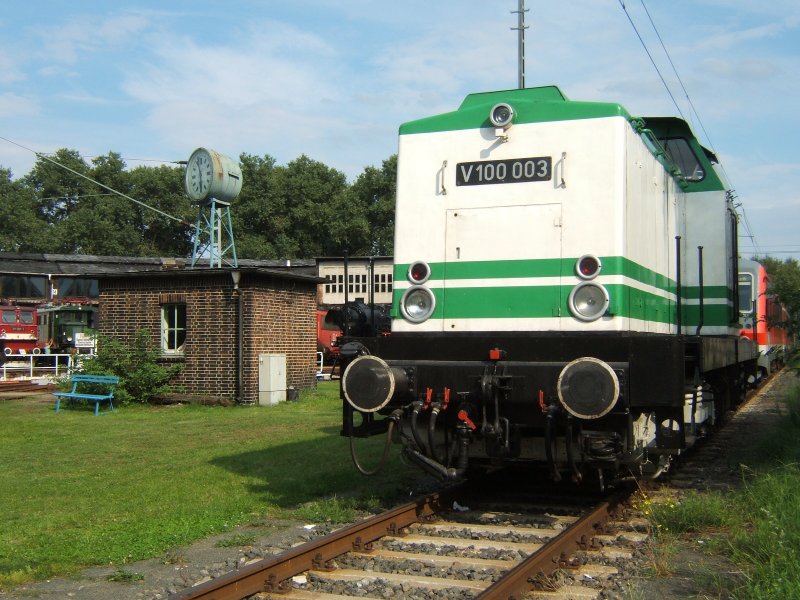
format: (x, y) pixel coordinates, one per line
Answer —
(588, 266)
(419, 272)
(588, 388)
(588, 301)
(501, 115)
(417, 304)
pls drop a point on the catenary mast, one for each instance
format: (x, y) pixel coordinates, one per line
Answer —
(520, 29)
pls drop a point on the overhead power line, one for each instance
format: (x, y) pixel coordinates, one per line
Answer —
(94, 181)
(650, 56)
(744, 220)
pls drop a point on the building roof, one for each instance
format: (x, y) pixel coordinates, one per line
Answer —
(85, 265)
(286, 272)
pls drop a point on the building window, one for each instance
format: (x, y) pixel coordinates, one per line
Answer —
(22, 286)
(173, 328)
(69, 287)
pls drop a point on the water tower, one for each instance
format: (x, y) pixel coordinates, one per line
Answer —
(213, 180)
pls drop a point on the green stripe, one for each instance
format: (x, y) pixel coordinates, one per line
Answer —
(551, 300)
(535, 302)
(619, 265)
(564, 267)
(500, 302)
(630, 302)
(546, 267)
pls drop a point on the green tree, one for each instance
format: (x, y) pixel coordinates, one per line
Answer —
(86, 218)
(99, 221)
(57, 189)
(259, 224)
(286, 211)
(308, 189)
(23, 228)
(301, 210)
(162, 187)
(377, 191)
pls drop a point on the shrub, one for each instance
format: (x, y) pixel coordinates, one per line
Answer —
(142, 378)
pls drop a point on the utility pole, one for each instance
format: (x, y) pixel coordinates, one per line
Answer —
(520, 29)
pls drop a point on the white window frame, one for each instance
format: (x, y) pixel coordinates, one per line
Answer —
(172, 329)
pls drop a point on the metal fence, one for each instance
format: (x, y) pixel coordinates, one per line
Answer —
(22, 366)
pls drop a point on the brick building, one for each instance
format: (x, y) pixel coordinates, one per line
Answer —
(217, 323)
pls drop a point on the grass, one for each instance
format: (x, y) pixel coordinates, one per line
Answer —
(79, 490)
(755, 527)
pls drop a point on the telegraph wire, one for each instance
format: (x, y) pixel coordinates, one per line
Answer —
(683, 87)
(744, 220)
(650, 56)
(102, 185)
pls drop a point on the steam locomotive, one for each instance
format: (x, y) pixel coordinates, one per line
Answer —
(566, 292)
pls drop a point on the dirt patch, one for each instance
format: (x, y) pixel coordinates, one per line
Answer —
(686, 572)
(682, 568)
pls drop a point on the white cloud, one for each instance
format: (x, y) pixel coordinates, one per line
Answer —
(14, 105)
(9, 69)
(742, 70)
(68, 42)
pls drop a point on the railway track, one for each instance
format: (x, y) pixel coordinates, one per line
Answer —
(530, 545)
(437, 548)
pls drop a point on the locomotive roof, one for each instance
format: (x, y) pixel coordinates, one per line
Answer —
(531, 105)
(549, 103)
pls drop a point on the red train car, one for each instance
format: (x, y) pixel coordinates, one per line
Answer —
(762, 316)
(327, 334)
(18, 330)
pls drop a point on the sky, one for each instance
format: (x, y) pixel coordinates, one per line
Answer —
(334, 79)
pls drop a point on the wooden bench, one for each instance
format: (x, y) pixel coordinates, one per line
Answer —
(94, 381)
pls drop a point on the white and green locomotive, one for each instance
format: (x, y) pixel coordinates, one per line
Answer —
(565, 291)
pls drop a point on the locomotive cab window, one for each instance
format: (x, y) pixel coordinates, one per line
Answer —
(681, 154)
(173, 328)
(9, 316)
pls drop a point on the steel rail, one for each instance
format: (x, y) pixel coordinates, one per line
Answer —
(274, 574)
(534, 572)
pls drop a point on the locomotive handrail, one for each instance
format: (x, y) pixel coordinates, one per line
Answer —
(679, 285)
(701, 316)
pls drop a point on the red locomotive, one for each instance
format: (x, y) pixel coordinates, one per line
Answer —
(763, 317)
(327, 335)
(18, 330)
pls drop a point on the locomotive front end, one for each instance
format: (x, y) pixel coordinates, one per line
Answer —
(535, 316)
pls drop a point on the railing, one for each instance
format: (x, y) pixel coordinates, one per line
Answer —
(320, 365)
(39, 365)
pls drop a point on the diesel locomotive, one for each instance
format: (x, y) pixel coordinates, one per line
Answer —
(566, 292)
